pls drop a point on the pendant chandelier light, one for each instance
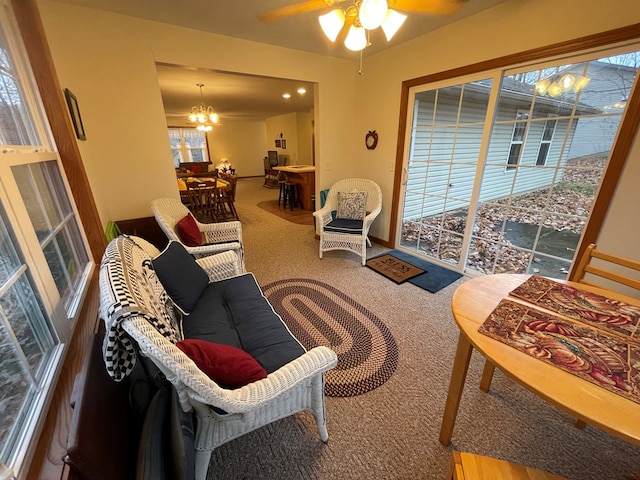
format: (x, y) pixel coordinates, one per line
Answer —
(205, 116)
(358, 20)
(559, 84)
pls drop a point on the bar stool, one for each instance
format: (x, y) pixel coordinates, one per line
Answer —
(290, 194)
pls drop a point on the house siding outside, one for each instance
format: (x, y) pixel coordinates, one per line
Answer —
(435, 184)
(608, 89)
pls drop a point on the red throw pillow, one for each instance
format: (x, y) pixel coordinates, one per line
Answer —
(189, 232)
(196, 169)
(224, 364)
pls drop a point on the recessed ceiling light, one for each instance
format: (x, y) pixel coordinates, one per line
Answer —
(286, 95)
(302, 91)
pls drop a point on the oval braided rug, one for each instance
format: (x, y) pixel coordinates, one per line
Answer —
(319, 314)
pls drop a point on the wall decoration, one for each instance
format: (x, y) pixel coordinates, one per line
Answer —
(371, 139)
(74, 110)
(284, 144)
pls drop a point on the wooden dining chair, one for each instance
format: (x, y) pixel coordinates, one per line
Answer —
(607, 266)
(203, 199)
(228, 197)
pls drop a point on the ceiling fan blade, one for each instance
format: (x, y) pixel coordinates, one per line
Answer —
(295, 9)
(430, 7)
(349, 19)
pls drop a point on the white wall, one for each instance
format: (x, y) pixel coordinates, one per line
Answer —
(108, 61)
(243, 143)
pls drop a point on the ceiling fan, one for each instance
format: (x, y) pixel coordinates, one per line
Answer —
(352, 20)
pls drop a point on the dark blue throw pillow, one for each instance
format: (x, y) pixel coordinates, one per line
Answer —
(180, 275)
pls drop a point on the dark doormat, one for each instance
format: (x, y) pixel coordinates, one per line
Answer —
(393, 268)
(433, 279)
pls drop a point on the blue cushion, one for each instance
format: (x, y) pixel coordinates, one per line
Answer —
(180, 275)
(343, 225)
(235, 312)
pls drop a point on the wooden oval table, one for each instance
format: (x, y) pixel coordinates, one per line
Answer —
(471, 304)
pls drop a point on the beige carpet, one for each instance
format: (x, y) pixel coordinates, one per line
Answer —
(392, 432)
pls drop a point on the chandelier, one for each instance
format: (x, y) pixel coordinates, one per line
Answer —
(358, 20)
(205, 116)
(562, 83)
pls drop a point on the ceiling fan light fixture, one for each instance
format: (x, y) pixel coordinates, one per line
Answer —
(332, 22)
(356, 38)
(581, 82)
(372, 13)
(392, 23)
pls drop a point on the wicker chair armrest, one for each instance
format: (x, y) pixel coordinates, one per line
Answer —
(324, 214)
(213, 248)
(230, 231)
(315, 361)
(221, 265)
(191, 382)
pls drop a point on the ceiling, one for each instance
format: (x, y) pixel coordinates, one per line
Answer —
(253, 97)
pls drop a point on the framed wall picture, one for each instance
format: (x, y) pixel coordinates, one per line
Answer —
(74, 110)
(284, 144)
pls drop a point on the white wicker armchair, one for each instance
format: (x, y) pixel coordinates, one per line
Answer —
(334, 237)
(219, 237)
(222, 414)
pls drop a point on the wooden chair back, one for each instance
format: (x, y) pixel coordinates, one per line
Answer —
(602, 270)
(203, 199)
(228, 197)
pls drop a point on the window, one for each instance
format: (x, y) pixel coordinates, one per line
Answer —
(188, 145)
(44, 261)
(545, 142)
(517, 139)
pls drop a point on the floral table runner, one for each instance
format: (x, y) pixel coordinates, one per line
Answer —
(587, 307)
(608, 360)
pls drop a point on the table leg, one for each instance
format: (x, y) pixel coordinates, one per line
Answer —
(456, 384)
(487, 376)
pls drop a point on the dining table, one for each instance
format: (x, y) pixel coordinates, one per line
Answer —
(475, 301)
(182, 182)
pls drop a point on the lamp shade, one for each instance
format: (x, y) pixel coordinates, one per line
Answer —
(356, 39)
(332, 22)
(392, 23)
(372, 13)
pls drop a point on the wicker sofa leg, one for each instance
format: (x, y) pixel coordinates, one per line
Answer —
(318, 406)
(203, 458)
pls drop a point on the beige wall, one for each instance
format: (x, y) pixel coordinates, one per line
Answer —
(287, 125)
(305, 138)
(243, 143)
(512, 27)
(108, 61)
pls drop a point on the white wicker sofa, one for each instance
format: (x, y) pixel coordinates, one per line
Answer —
(140, 317)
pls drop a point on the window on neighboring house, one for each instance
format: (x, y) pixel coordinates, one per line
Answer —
(44, 261)
(545, 142)
(188, 145)
(517, 139)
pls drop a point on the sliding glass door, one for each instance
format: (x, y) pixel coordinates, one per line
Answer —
(502, 171)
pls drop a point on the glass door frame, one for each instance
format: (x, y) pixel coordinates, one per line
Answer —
(621, 148)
